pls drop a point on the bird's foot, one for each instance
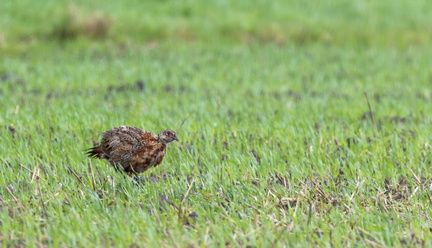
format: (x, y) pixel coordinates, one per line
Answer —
(136, 179)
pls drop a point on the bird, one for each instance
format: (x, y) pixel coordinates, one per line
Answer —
(132, 149)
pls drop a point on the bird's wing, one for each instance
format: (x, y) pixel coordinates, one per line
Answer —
(147, 156)
(125, 136)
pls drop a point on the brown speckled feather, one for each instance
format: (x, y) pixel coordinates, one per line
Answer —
(135, 150)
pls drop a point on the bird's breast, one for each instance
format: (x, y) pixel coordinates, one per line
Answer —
(158, 157)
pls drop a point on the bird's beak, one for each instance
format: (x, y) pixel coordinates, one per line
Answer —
(175, 138)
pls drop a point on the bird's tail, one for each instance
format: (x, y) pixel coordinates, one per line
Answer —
(95, 152)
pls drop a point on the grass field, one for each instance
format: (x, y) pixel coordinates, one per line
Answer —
(278, 147)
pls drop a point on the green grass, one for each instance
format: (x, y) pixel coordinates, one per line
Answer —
(277, 146)
(396, 23)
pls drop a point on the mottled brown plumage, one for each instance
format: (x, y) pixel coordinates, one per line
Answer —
(132, 149)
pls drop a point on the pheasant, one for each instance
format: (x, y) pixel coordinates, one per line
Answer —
(134, 149)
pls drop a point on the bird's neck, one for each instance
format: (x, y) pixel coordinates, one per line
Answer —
(161, 141)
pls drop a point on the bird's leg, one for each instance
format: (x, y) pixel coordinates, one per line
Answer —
(135, 178)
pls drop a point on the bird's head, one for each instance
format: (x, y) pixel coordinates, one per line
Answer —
(167, 136)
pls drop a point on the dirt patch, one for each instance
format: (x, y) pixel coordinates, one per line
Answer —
(75, 22)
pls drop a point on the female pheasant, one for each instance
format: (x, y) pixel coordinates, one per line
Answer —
(134, 149)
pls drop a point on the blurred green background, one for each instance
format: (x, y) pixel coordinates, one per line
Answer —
(342, 23)
(278, 147)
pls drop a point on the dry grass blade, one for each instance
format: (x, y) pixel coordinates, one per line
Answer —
(187, 191)
(92, 175)
(184, 120)
(34, 175)
(371, 114)
(44, 208)
(14, 197)
(155, 213)
(370, 239)
(356, 189)
(164, 198)
(424, 187)
(76, 175)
